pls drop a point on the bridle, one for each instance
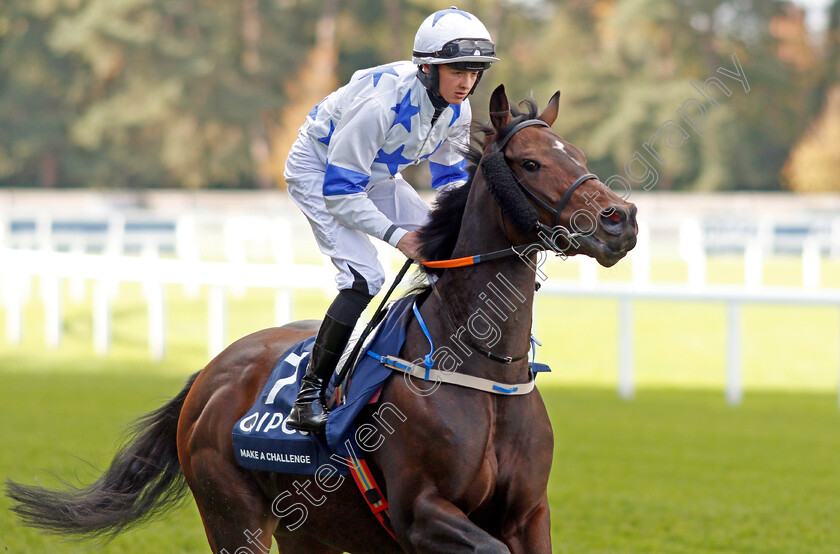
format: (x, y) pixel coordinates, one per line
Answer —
(547, 242)
(555, 211)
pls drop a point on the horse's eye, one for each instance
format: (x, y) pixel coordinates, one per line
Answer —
(530, 165)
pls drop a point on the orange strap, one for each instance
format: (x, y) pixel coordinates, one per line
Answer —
(455, 262)
(370, 491)
(486, 257)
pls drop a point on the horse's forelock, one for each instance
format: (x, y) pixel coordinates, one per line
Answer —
(530, 111)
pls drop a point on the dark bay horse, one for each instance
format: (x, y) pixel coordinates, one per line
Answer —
(463, 470)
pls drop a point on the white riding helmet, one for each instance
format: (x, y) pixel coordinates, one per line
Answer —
(454, 36)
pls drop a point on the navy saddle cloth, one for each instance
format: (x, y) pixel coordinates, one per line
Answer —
(263, 442)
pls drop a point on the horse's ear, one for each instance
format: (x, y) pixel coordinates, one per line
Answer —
(549, 114)
(499, 108)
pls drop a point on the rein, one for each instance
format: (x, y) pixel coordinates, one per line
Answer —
(374, 321)
(480, 258)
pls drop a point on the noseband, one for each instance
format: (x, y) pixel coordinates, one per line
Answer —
(555, 211)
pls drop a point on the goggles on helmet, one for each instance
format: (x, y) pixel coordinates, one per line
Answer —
(462, 48)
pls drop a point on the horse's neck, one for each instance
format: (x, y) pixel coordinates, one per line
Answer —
(491, 304)
(502, 293)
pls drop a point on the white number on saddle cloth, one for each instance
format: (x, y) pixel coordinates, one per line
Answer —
(296, 361)
(280, 384)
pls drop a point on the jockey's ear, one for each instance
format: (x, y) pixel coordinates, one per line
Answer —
(549, 114)
(499, 109)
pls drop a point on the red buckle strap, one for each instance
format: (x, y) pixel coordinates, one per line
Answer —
(370, 492)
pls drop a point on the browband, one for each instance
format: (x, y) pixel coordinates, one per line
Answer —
(519, 126)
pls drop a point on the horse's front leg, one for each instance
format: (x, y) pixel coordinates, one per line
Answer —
(430, 523)
(531, 532)
(438, 464)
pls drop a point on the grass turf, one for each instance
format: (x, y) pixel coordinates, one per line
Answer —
(673, 471)
(676, 470)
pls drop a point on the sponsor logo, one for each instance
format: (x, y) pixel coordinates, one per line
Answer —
(263, 422)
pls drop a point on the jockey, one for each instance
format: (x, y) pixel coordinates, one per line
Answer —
(343, 172)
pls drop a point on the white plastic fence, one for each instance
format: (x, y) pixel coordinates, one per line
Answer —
(198, 235)
(55, 246)
(733, 296)
(19, 266)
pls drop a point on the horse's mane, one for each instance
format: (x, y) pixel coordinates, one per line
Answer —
(438, 236)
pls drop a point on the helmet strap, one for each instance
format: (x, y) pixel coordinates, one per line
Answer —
(431, 81)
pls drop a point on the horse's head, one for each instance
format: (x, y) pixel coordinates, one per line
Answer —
(541, 184)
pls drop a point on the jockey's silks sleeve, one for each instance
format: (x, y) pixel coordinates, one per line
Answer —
(350, 155)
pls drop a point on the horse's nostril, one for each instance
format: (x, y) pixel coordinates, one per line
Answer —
(612, 221)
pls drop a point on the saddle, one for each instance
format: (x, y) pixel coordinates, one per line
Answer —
(263, 442)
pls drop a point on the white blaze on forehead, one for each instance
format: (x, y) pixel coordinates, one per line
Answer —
(562, 147)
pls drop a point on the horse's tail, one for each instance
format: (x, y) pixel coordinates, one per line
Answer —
(144, 476)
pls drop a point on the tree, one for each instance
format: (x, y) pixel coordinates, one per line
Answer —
(814, 162)
(315, 79)
(147, 93)
(625, 67)
(140, 93)
(39, 92)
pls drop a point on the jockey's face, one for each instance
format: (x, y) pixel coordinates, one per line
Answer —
(455, 84)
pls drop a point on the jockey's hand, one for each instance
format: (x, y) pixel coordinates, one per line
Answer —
(409, 245)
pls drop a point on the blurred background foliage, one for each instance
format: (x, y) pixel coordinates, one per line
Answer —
(210, 94)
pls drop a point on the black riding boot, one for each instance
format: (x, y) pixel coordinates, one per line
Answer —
(309, 412)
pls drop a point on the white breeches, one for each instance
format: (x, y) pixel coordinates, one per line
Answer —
(351, 251)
